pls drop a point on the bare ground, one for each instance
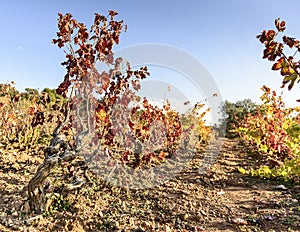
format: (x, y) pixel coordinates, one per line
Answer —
(221, 199)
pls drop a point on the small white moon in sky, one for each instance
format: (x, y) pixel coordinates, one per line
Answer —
(20, 47)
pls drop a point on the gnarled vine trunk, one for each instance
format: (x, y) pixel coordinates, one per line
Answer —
(36, 191)
(57, 151)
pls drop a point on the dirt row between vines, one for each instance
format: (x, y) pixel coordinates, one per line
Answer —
(220, 199)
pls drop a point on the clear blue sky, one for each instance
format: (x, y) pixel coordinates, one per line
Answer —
(221, 34)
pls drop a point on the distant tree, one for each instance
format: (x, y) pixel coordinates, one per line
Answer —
(32, 91)
(51, 97)
(232, 113)
(30, 94)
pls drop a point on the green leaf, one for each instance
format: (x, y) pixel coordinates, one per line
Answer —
(292, 77)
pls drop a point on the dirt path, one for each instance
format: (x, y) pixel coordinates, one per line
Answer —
(220, 199)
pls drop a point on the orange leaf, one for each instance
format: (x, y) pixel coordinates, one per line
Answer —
(276, 66)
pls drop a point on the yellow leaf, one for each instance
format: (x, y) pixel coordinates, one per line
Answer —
(242, 170)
